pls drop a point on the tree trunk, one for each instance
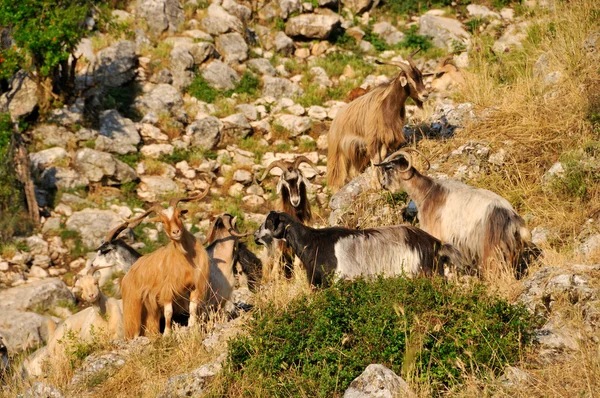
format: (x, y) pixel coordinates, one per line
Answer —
(23, 172)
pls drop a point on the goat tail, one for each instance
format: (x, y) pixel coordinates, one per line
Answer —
(337, 167)
(449, 257)
(132, 310)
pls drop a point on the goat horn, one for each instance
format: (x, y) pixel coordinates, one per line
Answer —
(92, 270)
(211, 228)
(240, 235)
(419, 153)
(134, 222)
(401, 65)
(276, 163)
(115, 232)
(395, 155)
(303, 159)
(173, 202)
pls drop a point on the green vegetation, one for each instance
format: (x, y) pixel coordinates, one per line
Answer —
(249, 85)
(414, 41)
(131, 159)
(201, 90)
(72, 240)
(426, 330)
(76, 350)
(581, 174)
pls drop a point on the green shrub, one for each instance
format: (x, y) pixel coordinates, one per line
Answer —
(430, 331)
(413, 40)
(131, 159)
(201, 90)
(178, 155)
(581, 176)
(249, 84)
(375, 40)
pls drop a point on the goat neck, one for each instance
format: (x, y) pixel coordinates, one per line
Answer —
(186, 245)
(417, 186)
(100, 304)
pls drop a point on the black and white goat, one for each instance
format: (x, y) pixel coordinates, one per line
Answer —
(482, 225)
(347, 253)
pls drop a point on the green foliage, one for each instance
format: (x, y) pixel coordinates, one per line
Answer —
(474, 24)
(76, 349)
(47, 31)
(414, 40)
(73, 241)
(427, 330)
(307, 145)
(279, 24)
(201, 90)
(581, 176)
(375, 40)
(346, 41)
(10, 60)
(178, 155)
(411, 7)
(131, 159)
(249, 84)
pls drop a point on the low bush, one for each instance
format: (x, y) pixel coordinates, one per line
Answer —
(429, 331)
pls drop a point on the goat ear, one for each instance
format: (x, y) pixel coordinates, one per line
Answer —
(279, 226)
(279, 185)
(97, 276)
(403, 79)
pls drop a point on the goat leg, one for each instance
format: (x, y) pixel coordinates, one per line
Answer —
(194, 302)
(168, 311)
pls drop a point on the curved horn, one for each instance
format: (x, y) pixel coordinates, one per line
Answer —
(401, 65)
(410, 60)
(114, 233)
(91, 270)
(303, 159)
(395, 155)
(173, 202)
(134, 222)
(276, 163)
(211, 229)
(419, 153)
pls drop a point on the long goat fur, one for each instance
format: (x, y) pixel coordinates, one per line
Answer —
(482, 225)
(371, 126)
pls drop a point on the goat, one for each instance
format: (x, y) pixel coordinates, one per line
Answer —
(104, 314)
(223, 238)
(447, 75)
(482, 225)
(370, 127)
(114, 254)
(357, 92)
(347, 253)
(158, 279)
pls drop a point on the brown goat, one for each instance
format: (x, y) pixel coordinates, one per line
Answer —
(371, 126)
(357, 92)
(447, 75)
(166, 275)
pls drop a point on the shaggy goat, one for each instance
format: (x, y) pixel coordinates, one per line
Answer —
(370, 127)
(348, 253)
(482, 225)
(223, 238)
(162, 277)
(447, 75)
(104, 314)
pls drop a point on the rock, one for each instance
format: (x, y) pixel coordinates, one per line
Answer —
(21, 99)
(36, 296)
(479, 11)
(296, 125)
(378, 381)
(498, 158)
(182, 67)
(150, 132)
(37, 272)
(220, 76)
(242, 176)
(94, 165)
(162, 98)
(283, 44)
(357, 6)
(590, 246)
(507, 14)
(114, 65)
(42, 390)
(513, 377)
(301, 53)
(232, 47)
(253, 201)
(93, 225)
(557, 170)
(388, 32)
(36, 245)
(541, 235)
(156, 150)
(592, 43)
(278, 87)
(512, 38)
(365, 46)
(52, 135)
(4, 266)
(312, 26)
(117, 133)
(98, 364)
(262, 66)
(205, 133)
(62, 178)
(356, 32)
(237, 126)
(444, 31)
(192, 384)
(317, 112)
(249, 111)
(235, 190)
(153, 188)
(288, 7)
(43, 159)
(242, 12)
(343, 198)
(319, 76)
(198, 35)
(161, 15)
(220, 21)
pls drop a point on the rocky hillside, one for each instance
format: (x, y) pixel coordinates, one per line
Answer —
(173, 96)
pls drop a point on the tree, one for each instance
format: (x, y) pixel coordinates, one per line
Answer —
(45, 34)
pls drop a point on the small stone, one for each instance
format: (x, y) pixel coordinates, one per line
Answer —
(37, 272)
(235, 190)
(4, 266)
(253, 200)
(243, 176)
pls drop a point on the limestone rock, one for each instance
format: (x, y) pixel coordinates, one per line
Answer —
(512, 38)
(193, 383)
(357, 6)
(52, 135)
(289, 7)
(283, 44)
(444, 31)
(220, 76)
(117, 133)
(182, 67)
(21, 99)
(153, 188)
(232, 47)
(161, 98)
(205, 133)
(156, 150)
(161, 15)
(479, 11)
(93, 225)
(296, 125)
(114, 65)
(240, 11)
(388, 32)
(43, 159)
(278, 87)
(42, 390)
(220, 21)
(378, 381)
(62, 178)
(262, 66)
(312, 26)
(237, 126)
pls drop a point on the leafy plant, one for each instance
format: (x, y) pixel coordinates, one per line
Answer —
(414, 40)
(201, 90)
(425, 329)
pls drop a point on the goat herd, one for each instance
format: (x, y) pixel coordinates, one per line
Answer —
(462, 228)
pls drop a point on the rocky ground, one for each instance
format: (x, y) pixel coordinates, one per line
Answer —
(144, 130)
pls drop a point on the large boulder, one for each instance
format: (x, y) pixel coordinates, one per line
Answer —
(93, 225)
(162, 98)
(21, 98)
(97, 166)
(283, 44)
(39, 295)
(43, 159)
(117, 133)
(240, 11)
(53, 135)
(220, 21)
(161, 15)
(62, 178)
(445, 32)
(153, 188)
(262, 66)
(23, 330)
(182, 67)
(296, 125)
(512, 38)
(377, 381)
(205, 133)
(388, 32)
(232, 47)
(357, 6)
(114, 65)
(312, 26)
(220, 76)
(289, 7)
(279, 87)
